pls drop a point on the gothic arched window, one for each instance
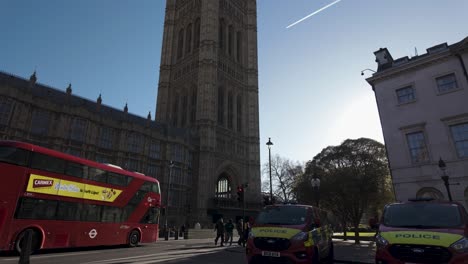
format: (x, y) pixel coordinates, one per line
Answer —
(223, 187)
(239, 113)
(193, 112)
(221, 105)
(175, 111)
(180, 44)
(230, 111)
(222, 29)
(196, 39)
(239, 46)
(188, 39)
(230, 39)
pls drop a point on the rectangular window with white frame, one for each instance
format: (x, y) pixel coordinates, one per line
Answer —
(417, 147)
(460, 138)
(447, 83)
(405, 95)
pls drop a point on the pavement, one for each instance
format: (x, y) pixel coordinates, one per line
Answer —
(348, 252)
(345, 251)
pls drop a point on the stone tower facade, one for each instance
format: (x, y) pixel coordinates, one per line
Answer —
(208, 84)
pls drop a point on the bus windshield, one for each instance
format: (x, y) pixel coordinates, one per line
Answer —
(422, 215)
(282, 215)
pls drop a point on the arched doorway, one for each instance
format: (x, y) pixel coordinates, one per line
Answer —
(430, 192)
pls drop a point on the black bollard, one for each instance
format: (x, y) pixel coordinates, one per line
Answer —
(176, 234)
(166, 234)
(26, 247)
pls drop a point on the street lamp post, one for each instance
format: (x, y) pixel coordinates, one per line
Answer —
(445, 177)
(166, 231)
(315, 182)
(269, 144)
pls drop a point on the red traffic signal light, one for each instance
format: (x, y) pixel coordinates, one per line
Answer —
(240, 193)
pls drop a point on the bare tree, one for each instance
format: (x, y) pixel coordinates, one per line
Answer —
(284, 174)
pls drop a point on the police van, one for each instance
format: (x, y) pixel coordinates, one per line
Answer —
(423, 231)
(290, 233)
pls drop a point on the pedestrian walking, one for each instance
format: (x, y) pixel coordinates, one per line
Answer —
(229, 227)
(247, 227)
(240, 231)
(219, 228)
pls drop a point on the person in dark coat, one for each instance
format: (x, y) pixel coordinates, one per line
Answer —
(219, 228)
(240, 231)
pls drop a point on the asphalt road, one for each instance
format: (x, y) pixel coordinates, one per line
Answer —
(193, 251)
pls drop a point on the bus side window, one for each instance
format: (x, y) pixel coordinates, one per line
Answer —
(14, 156)
(95, 174)
(47, 163)
(111, 214)
(68, 211)
(75, 169)
(91, 213)
(30, 208)
(117, 179)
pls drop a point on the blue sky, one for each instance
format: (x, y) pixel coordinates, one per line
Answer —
(311, 93)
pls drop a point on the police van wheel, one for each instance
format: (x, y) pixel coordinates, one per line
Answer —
(20, 239)
(133, 238)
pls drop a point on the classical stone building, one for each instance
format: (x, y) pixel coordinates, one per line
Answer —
(423, 108)
(206, 117)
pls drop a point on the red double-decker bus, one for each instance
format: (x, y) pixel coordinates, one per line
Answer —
(72, 202)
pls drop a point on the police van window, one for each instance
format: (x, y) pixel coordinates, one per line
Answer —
(282, 215)
(422, 215)
(14, 155)
(47, 163)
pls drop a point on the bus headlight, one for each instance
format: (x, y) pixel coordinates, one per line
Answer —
(461, 245)
(380, 241)
(301, 236)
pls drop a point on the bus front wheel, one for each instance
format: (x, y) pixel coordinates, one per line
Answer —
(21, 239)
(134, 238)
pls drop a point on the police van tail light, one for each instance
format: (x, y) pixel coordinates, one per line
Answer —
(380, 241)
(301, 236)
(461, 245)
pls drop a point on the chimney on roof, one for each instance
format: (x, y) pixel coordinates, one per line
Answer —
(383, 58)
(99, 100)
(126, 108)
(149, 115)
(32, 79)
(69, 89)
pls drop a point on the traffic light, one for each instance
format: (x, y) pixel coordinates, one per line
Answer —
(240, 193)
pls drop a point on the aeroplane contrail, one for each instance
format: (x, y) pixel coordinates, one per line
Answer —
(314, 13)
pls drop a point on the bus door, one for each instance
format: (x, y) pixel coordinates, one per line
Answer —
(149, 224)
